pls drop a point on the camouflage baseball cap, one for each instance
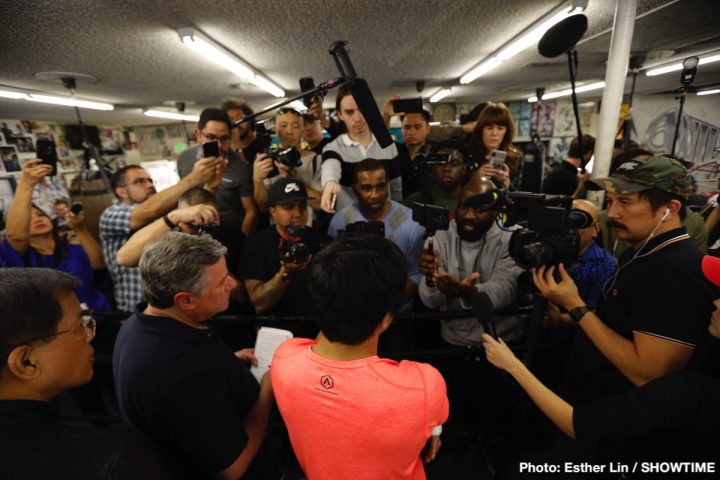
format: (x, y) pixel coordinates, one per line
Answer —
(661, 172)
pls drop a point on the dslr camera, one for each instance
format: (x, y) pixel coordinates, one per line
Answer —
(289, 157)
(549, 235)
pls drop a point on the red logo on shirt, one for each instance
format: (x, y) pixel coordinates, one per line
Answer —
(327, 382)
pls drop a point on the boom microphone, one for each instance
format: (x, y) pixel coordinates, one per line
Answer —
(366, 103)
(484, 312)
(342, 59)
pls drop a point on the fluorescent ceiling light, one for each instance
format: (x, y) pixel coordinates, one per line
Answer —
(210, 50)
(171, 115)
(709, 92)
(13, 95)
(674, 67)
(568, 91)
(518, 44)
(440, 95)
(69, 102)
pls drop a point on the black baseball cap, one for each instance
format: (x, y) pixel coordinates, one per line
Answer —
(287, 190)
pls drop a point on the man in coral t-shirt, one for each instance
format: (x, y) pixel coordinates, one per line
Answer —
(349, 413)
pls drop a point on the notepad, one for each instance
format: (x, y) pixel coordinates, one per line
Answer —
(268, 339)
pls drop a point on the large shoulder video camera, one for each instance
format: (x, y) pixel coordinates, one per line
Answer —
(549, 236)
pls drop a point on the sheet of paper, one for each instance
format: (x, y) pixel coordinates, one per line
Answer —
(268, 339)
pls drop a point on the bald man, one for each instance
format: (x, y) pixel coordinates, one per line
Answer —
(471, 256)
(595, 264)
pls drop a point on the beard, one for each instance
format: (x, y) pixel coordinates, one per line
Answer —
(479, 232)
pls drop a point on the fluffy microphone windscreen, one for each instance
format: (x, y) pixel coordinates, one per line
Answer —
(366, 103)
(711, 269)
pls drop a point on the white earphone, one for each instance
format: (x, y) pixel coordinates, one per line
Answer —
(665, 215)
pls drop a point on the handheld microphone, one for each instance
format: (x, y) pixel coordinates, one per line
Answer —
(484, 312)
(366, 103)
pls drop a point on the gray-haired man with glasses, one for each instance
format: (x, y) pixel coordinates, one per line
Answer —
(45, 349)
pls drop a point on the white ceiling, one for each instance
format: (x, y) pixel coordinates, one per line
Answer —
(132, 47)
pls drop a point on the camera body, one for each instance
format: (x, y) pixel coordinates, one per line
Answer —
(211, 229)
(422, 162)
(432, 217)
(289, 157)
(549, 236)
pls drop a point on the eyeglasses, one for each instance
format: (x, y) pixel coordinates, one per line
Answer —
(283, 111)
(87, 323)
(220, 138)
(140, 182)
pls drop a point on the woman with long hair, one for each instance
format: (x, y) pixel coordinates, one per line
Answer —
(495, 130)
(32, 240)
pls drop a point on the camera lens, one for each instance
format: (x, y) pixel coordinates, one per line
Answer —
(534, 255)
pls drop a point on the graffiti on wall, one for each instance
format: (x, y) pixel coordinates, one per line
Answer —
(697, 142)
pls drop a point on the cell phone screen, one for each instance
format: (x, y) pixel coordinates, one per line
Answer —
(46, 152)
(211, 149)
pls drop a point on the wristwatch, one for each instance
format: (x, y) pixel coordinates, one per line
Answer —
(578, 313)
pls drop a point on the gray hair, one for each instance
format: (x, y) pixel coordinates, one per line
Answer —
(176, 263)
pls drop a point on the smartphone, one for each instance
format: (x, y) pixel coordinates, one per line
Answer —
(211, 149)
(77, 207)
(408, 105)
(333, 201)
(306, 84)
(46, 152)
(497, 158)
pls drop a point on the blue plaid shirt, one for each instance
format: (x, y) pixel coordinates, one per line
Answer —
(114, 232)
(596, 266)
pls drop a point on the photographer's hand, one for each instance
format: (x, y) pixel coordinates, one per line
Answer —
(195, 215)
(261, 167)
(290, 267)
(564, 293)
(284, 170)
(204, 169)
(429, 262)
(389, 110)
(498, 353)
(331, 188)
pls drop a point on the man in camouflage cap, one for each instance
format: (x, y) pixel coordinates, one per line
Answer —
(657, 304)
(661, 172)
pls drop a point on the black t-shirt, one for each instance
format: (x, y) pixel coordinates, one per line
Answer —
(663, 294)
(677, 416)
(185, 391)
(261, 261)
(235, 184)
(562, 180)
(34, 443)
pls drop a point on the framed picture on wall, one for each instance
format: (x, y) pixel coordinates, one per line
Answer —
(10, 159)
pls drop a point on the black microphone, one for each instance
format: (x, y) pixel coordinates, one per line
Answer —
(366, 103)
(342, 59)
(484, 312)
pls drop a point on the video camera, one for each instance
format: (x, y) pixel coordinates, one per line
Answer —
(298, 252)
(550, 235)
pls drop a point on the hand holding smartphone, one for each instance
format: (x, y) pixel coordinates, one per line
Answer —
(47, 153)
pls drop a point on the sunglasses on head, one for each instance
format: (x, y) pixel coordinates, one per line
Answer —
(283, 111)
